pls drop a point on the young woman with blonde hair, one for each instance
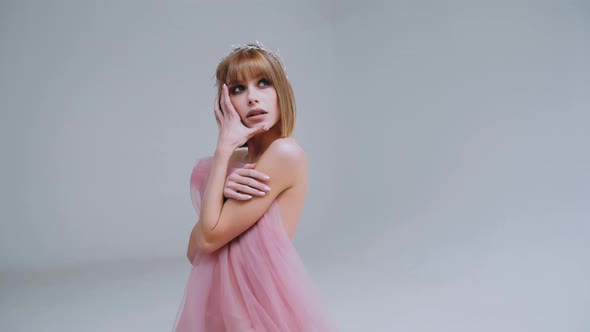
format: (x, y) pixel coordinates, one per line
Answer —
(246, 275)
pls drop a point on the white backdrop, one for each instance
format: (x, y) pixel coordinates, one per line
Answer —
(448, 141)
(109, 105)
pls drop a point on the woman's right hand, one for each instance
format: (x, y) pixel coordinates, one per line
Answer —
(232, 131)
(244, 183)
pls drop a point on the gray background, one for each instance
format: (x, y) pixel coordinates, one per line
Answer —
(447, 141)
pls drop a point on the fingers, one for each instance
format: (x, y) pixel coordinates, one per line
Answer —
(241, 192)
(257, 130)
(223, 108)
(228, 107)
(216, 103)
(247, 181)
(245, 189)
(252, 173)
(248, 185)
(218, 118)
(217, 112)
(235, 195)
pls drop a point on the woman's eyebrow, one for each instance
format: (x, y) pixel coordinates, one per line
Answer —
(254, 78)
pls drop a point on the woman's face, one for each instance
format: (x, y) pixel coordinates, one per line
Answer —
(255, 100)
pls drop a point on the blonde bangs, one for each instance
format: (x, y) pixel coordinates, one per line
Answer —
(247, 65)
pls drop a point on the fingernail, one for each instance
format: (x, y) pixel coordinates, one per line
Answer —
(266, 177)
(267, 188)
(261, 193)
(248, 196)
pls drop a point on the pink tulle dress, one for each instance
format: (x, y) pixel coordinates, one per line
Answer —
(257, 282)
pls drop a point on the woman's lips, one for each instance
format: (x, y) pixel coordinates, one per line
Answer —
(255, 113)
(257, 116)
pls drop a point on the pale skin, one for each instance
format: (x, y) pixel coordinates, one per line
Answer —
(279, 158)
(244, 183)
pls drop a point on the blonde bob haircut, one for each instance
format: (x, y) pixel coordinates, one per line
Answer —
(243, 63)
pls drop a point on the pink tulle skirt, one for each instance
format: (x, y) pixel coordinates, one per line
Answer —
(257, 282)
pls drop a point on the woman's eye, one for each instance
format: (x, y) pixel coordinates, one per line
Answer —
(264, 82)
(237, 89)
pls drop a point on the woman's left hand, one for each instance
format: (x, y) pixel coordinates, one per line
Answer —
(232, 132)
(244, 183)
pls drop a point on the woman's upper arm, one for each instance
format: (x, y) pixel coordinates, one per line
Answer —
(282, 162)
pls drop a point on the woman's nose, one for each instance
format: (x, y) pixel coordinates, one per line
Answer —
(252, 98)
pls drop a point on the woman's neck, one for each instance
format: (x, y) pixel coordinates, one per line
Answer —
(259, 143)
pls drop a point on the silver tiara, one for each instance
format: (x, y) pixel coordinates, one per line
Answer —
(256, 46)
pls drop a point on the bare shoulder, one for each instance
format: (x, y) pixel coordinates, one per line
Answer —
(288, 151)
(285, 162)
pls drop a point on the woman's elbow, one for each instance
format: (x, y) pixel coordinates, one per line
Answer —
(206, 247)
(197, 244)
(193, 254)
(201, 246)
(206, 244)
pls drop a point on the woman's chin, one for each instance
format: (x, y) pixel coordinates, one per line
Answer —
(252, 125)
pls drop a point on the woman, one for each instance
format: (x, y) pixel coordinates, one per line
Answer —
(246, 274)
